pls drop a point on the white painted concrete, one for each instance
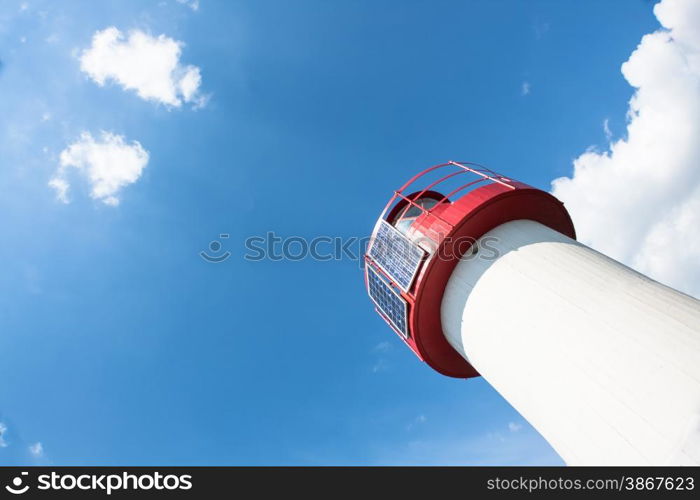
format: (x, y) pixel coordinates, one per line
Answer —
(603, 361)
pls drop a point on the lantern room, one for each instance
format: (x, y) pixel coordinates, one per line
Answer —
(426, 227)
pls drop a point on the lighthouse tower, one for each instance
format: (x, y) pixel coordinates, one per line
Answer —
(481, 275)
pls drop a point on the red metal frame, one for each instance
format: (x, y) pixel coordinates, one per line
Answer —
(462, 168)
(496, 200)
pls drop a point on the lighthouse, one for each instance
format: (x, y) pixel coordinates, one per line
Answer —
(481, 275)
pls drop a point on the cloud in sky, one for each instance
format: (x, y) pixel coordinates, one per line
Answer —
(525, 88)
(108, 163)
(3, 430)
(148, 65)
(192, 4)
(36, 450)
(606, 129)
(639, 201)
(514, 426)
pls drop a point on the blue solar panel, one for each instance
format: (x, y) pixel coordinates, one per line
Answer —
(395, 254)
(388, 301)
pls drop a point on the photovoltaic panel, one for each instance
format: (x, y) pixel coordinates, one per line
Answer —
(395, 254)
(388, 301)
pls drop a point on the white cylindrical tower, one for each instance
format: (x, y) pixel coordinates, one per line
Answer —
(600, 359)
(485, 277)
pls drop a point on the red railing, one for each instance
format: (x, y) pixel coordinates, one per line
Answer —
(483, 174)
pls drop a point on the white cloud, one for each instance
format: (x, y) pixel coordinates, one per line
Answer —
(639, 201)
(525, 88)
(60, 185)
(189, 83)
(606, 129)
(109, 164)
(3, 430)
(36, 450)
(514, 426)
(192, 4)
(148, 65)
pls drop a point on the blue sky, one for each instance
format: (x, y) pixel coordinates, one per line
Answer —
(120, 345)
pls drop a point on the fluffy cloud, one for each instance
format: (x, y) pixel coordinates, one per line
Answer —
(148, 65)
(109, 164)
(36, 450)
(639, 201)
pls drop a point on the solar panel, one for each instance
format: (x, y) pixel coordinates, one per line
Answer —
(395, 254)
(392, 306)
